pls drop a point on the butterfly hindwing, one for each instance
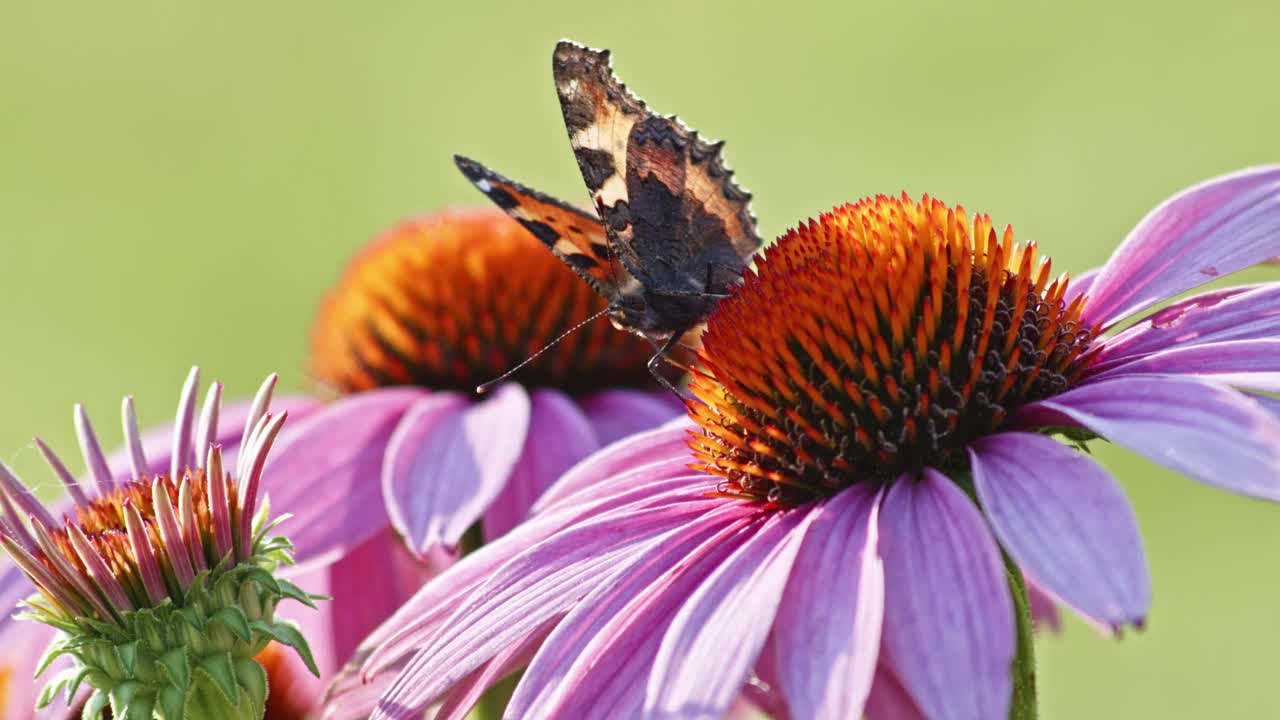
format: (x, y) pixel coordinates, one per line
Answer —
(574, 235)
(669, 204)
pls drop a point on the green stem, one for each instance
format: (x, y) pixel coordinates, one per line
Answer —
(1023, 706)
(494, 702)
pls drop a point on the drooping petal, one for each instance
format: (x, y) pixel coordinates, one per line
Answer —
(1206, 431)
(425, 614)
(1253, 364)
(325, 471)
(1239, 313)
(597, 659)
(708, 651)
(1081, 284)
(537, 585)
(948, 619)
(464, 696)
(559, 436)
(381, 562)
(448, 460)
(1066, 522)
(1044, 611)
(889, 700)
(827, 633)
(645, 449)
(1212, 229)
(615, 414)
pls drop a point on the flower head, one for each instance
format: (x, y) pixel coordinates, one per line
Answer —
(875, 455)
(162, 585)
(450, 301)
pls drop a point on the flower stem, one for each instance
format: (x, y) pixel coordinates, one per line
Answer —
(1023, 706)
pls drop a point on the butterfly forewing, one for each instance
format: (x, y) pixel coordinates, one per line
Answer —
(574, 235)
(669, 205)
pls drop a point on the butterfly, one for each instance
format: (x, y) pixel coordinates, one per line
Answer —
(671, 233)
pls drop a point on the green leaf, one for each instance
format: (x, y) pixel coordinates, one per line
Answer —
(218, 667)
(288, 634)
(93, 708)
(236, 621)
(177, 667)
(294, 592)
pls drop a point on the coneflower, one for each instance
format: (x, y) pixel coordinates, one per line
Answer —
(162, 587)
(888, 429)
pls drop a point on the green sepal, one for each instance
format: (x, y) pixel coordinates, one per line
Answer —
(253, 680)
(139, 709)
(171, 699)
(93, 708)
(219, 668)
(109, 630)
(55, 686)
(121, 695)
(288, 634)
(56, 649)
(128, 655)
(234, 619)
(177, 667)
(263, 577)
(293, 592)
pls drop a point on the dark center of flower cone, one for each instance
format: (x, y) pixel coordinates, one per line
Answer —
(879, 339)
(454, 300)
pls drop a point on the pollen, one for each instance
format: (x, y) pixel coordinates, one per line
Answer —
(882, 337)
(455, 299)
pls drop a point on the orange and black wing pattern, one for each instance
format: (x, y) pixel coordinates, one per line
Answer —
(574, 235)
(677, 219)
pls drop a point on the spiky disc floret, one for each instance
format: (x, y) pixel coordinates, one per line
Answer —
(163, 589)
(880, 338)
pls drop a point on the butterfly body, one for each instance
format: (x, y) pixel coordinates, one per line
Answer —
(671, 232)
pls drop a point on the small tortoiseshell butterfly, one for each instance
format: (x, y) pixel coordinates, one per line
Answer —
(673, 231)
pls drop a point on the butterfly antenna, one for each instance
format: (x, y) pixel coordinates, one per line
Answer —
(485, 387)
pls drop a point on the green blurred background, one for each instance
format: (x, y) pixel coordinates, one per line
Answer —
(179, 184)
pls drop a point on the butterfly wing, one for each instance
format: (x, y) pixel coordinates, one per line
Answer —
(670, 206)
(574, 235)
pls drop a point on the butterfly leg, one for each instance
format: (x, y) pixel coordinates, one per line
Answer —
(656, 362)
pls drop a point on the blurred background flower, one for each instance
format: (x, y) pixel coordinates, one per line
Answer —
(170, 171)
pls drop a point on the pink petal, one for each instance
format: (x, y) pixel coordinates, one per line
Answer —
(1206, 431)
(381, 562)
(1253, 364)
(537, 585)
(596, 661)
(1081, 284)
(1044, 611)
(157, 442)
(645, 449)
(447, 462)
(615, 414)
(1067, 524)
(889, 700)
(827, 633)
(1207, 231)
(1240, 313)
(559, 436)
(424, 615)
(948, 620)
(458, 703)
(708, 651)
(325, 471)
(24, 644)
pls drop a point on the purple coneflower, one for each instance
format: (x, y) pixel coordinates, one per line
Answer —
(408, 457)
(162, 586)
(879, 443)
